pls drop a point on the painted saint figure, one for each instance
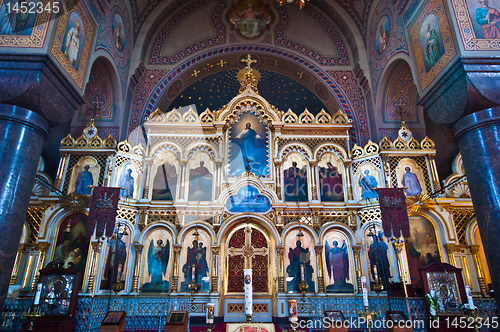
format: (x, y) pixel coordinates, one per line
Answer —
(368, 185)
(295, 183)
(73, 45)
(379, 262)
(115, 261)
(331, 183)
(489, 19)
(411, 183)
(248, 148)
(197, 257)
(300, 269)
(165, 183)
(84, 181)
(117, 36)
(157, 263)
(200, 183)
(126, 184)
(383, 40)
(337, 265)
(250, 21)
(15, 22)
(432, 46)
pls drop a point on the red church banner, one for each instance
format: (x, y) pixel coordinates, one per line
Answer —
(103, 206)
(393, 210)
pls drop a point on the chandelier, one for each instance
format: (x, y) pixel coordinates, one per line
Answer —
(298, 3)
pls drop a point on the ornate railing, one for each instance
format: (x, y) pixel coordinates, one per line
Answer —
(414, 308)
(142, 313)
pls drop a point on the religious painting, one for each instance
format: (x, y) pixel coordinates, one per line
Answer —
(57, 294)
(127, 179)
(74, 35)
(250, 18)
(13, 21)
(248, 146)
(17, 28)
(72, 246)
(484, 18)
(165, 177)
(295, 178)
(445, 287)
(410, 177)
(195, 260)
(201, 178)
(118, 32)
(339, 277)
(248, 199)
(84, 175)
(331, 183)
(299, 261)
(421, 248)
(382, 34)
(482, 258)
(116, 257)
(367, 180)
(157, 262)
(71, 45)
(432, 42)
(247, 237)
(377, 249)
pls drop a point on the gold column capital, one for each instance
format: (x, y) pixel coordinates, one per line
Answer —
(215, 250)
(450, 247)
(474, 249)
(42, 246)
(280, 250)
(318, 249)
(177, 249)
(356, 249)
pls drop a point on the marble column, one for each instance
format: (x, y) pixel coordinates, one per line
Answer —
(281, 277)
(175, 278)
(137, 267)
(96, 250)
(450, 249)
(474, 250)
(357, 260)
(215, 269)
(319, 268)
(478, 136)
(42, 247)
(17, 265)
(22, 133)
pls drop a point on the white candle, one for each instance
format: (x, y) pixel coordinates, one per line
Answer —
(469, 297)
(194, 273)
(38, 293)
(248, 291)
(365, 291)
(302, 273)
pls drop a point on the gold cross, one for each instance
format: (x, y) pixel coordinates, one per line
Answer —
(300, 74)
(221, 63)
(275, 64)
(195, 73)
(401, 112)
(208, 66)
(248, 251)
(248, 61)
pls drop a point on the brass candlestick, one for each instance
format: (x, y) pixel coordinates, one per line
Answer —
(32, 315)
(249, 318)
(368, 315)
(302, 288)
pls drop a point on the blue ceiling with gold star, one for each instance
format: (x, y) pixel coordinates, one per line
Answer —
(218, 89)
